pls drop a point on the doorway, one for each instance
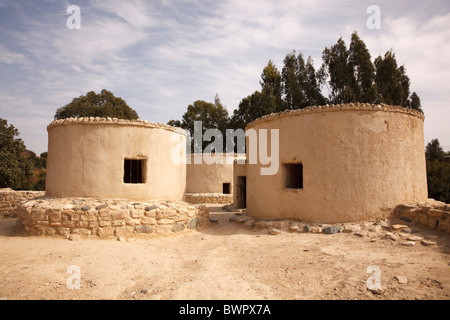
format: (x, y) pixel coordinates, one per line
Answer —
(241, 192)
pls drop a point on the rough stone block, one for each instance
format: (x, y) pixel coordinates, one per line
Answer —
(54, 216)
(169, 214)
(38, 214)
(144, 229)
(120, 214)
(181, 217)
(162, 229)
(133, 222)
(55, 224)
(64, 232)
(82, 231)
(83, 224)
(136, 213)
(124, 231)
(435, 213)
(118, 223)
(423, 218)
(102, 206)
(332, 229)
(104, 212)
(193, 223)
(150, 214)
(442, 225)
(93, 224)
(50, 231)
(279, 224)
(68, 224)
(106, 232)
(178, 226)
(103, 224)
(165, 221)
(148, 221)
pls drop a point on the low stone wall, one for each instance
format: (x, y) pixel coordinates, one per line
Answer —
(433, 214)
(218, 198)
(107, 218)
(9, 199)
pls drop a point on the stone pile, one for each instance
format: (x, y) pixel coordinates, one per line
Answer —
(396, 229)
(107, 218)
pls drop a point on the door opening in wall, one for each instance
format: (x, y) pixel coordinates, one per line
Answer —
(133, 171)
(241, 192)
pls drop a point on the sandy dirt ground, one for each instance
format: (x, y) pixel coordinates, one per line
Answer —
(224, 260)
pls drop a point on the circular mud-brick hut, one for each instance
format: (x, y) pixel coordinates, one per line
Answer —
(109, 177)
(337, 163)
(112, 158)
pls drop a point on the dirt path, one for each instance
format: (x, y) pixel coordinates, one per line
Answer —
(224, 261)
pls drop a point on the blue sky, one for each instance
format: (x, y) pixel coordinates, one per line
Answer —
(161, 56)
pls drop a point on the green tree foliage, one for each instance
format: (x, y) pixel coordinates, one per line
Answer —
(391, 81)
(414, 102)
(338, 70)
(363, 70)
(434, 151)
(213, 116)
(103, 105)
(348, 74)
(271, 88)
(250, 108)
(438, 172)
(260, 103)
(16, 168)
(301, 87)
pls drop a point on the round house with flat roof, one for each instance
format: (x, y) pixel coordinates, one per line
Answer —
(114, 158)
(337, 163)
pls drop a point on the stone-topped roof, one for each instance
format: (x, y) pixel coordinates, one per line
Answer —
(115, 121)
(338, 107)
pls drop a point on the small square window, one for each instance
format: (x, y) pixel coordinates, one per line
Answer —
(226, 188)
(133, 171)
(293, 175)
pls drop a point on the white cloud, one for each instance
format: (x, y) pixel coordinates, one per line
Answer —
(10, 57)
(162, 56)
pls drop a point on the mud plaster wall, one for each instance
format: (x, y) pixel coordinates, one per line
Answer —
(359, 162)
(204, 177)
(86, 159)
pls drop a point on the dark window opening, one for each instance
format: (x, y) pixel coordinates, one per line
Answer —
(226, 188)
(293, 175)
(133, 171)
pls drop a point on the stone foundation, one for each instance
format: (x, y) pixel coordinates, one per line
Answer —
(218, 198)
(9, 199)
(434, 214)
(107, 218)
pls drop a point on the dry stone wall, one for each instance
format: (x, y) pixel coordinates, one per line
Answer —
(9, 199)
(218, 198)
(435, 215)
(107, 218)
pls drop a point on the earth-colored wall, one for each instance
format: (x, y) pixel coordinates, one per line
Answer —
(86, 159)
(359, 161)
(203, 176)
